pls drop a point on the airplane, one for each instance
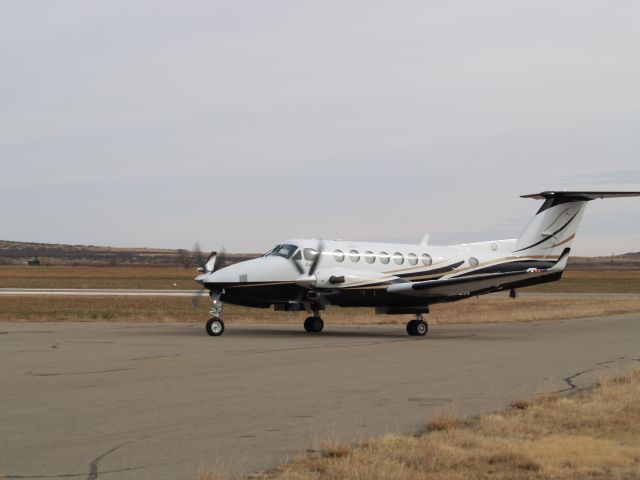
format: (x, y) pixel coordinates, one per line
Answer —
(394, 279)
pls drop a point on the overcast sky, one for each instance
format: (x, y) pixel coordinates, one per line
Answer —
(243, 123)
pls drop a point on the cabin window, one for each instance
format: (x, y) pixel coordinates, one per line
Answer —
(354, 256)
(370, 257)
(473, 261)
(384, 257)
(310, 254)
(412, 258)
(338, 255)
(426, 259)
(398, 258)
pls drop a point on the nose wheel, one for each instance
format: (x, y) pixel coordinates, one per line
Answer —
(215, 327)
(417, 327)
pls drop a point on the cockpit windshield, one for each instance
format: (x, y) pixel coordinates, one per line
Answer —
(285, 251)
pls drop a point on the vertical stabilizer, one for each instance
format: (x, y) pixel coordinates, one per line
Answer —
(554, 226)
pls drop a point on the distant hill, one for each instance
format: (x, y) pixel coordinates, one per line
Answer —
(17, 253)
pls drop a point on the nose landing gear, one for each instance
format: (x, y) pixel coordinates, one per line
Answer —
(418, 327)
(215, 325)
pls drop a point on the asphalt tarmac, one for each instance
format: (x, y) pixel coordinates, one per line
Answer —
(150, 401)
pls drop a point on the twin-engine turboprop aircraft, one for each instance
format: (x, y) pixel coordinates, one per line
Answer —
(398, 278)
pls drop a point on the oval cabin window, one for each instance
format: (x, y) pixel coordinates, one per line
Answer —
(338, 255)
(426, 259)
(354, 255)
(384, 258)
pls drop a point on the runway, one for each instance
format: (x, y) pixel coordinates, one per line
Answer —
(94, 292)
(148, 401)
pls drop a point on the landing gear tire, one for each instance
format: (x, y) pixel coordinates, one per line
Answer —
(215, 327)
(417, 328)
(313, 324)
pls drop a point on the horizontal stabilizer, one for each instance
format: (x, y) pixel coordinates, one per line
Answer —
(584, 196)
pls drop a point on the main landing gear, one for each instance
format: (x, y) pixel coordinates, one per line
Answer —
(215, 325)
(314, 324)
(418, 327)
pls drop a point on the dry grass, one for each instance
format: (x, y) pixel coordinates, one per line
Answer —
(593, 435)
(597, 281)
(156, 278)
(593, 281)
(487, 309)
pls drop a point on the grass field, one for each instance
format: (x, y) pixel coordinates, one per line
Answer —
(169, 278)
(156, 278)
(594, 434)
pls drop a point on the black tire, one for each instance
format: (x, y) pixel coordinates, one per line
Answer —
(421, 328)
(307, 324)
(316, 324)
(412, 328)
(313, 324)
(215, 327)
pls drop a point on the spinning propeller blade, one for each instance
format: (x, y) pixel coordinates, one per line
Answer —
(316, 260)
(195, 300)
(308, 294)
(209, 265)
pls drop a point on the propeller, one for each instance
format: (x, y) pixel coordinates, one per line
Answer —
(309, 294)
(209, 265)
(312, 268)
(212, 262)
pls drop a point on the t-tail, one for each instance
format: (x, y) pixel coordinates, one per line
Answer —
(550, 233)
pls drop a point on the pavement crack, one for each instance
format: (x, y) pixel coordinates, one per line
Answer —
(569, 380)
(70, 475)
(153, 357)
(328, 345)
(93, 466)
(571, 386)
(54, 374)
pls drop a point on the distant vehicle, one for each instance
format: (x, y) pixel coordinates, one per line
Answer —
(33, 262)
(393, 278)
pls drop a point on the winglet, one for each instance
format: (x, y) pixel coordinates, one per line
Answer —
(562, 261)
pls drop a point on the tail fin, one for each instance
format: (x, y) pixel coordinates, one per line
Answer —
(554, 226)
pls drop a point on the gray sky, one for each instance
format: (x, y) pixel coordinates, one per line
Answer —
(151, 123)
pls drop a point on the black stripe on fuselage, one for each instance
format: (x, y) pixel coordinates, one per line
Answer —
(435, 271)
(512, 267)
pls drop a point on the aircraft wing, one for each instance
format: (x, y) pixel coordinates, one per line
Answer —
(474, 283)
(464, 285)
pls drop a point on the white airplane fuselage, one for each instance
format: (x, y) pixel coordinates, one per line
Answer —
(368, 268)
